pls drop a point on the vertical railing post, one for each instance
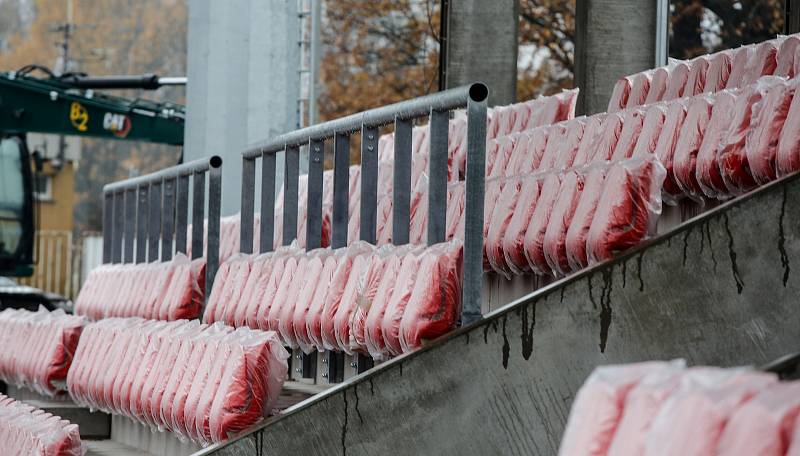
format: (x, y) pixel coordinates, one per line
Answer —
(198, 214)
(472, 291)
(214, 209)
(108, 225)
(369, 183)
(401, 206)
(267, 241)
(248, 205)
(168, 220)
(316, 158)
(341, 189)
(154, 242)
(182, 213)
(290, 183)
(119, 226)
(141, 223)
(129, 224)
(437, 176)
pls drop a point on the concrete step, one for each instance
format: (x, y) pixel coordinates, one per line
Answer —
(720, 289)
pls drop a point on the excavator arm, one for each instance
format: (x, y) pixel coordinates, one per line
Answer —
(30, 104)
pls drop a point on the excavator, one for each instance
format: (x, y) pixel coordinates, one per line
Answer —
(66, 105)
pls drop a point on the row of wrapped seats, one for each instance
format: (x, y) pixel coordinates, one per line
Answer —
(710, 73)
(664, 408)
(170, 290)
(28, 431)
(202, 382)
(502, 121)
(38, 348)
(378, 300)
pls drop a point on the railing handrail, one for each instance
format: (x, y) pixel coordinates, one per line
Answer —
(404, 110)
(185, 169)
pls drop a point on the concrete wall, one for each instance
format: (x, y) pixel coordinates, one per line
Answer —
(720, 289)
(243, 81)
(613, 38)
(482, 46)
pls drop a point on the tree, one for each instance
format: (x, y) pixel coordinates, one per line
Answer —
(700, 27)
(110, 37)
(547, 49)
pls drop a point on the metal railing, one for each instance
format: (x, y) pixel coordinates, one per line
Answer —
(435, 106)
(143, 215)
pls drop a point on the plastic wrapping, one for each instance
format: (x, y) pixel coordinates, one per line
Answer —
(741, 58)
(455, 208)
(513, 239)
(26, 430)
(505, 147)
(492, 190)
(762, 426)
(534, 236)
(651, 130)
(366, 289)
(631, 128)
(658, 85)
(568, 147)
(396, 306)
(761, 142)
(434, 306)
(641, 405)
(38, 348)
(696, 81)
(350, 262)
(537, 144)
(665, 148)
(202, 382)
(719, 68)
(581, 222)
(640, 86)
(598, 408)
(785, 66)
(732, 158)
(376, 307)
(619, 95)
(628, 207)
(691, 420)
(762, 63)
(794, 448)
(787, 158)
(607, 142)
(169, 290)
(499, 224)
(690, 139)
(555, 141)
(555, 237)
(307, 314)
(677, 81)
(592, 130)
(707, 173)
